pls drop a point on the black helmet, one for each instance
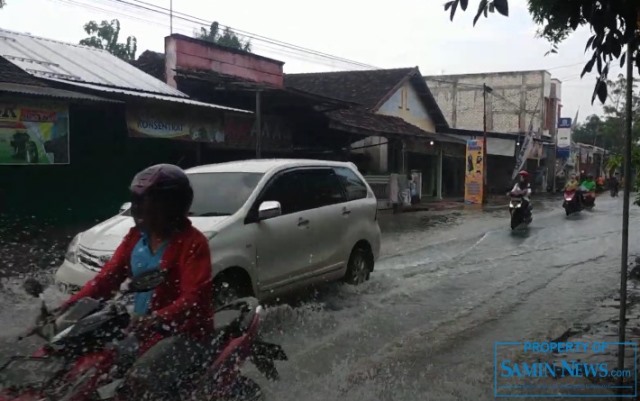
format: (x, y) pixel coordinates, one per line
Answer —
(165, 183)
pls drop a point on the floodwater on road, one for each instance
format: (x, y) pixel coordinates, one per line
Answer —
(448, 285)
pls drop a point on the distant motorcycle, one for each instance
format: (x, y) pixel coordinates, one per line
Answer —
(589, 200)
(519, 216)
(572, 203)
(614, 192)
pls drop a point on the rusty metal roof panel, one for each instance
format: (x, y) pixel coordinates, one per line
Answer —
(164, 98)
(47, 58)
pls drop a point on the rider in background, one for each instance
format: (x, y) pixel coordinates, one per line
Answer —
(589, 185)
(572, 184)
(614, 183)
(523, 189)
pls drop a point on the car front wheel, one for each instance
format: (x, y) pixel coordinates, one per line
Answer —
(360, 266)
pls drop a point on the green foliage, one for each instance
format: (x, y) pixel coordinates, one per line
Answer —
(105, 36)
(612, 22)
(226, 38)
(608, 131)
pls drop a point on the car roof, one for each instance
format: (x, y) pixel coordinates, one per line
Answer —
(263, 165)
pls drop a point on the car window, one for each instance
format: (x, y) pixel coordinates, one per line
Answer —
(286, 189)
(322, 188)
(356, 189)
(219, 194)
(305, 189)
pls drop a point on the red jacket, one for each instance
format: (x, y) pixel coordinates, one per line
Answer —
(184, 300)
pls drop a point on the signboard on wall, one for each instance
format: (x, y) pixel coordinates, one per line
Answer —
(564, 138)
(474, 170)
(154, 123)
(34, 134)
(214, 128)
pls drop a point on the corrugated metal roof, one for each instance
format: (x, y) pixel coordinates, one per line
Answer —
(155, 96)
(51, 92)
(47, 58)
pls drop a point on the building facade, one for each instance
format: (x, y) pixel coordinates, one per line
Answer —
(514, 104)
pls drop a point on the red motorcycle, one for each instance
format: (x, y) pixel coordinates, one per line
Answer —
(572, 203)
(88, 352)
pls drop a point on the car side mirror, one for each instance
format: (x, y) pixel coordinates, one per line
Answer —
(269, 210)
(125, 206)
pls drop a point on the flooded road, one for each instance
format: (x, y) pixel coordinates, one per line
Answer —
(447, 287)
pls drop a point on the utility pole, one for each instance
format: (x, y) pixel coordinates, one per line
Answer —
(485, 89)
(632, 19)
(258, 126)
(171, 17)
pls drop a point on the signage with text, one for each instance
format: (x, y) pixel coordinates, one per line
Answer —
(34, 134)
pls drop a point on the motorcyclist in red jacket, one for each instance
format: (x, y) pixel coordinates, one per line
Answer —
(162, 238)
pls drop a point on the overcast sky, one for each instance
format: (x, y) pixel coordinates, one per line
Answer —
(400, 33)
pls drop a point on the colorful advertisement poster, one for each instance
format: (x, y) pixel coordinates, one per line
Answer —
(34, 134)
(473, 181)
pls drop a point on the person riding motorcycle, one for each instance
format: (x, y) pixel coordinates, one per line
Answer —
(589, 185)
(572, 184)
(614, 183)
(523, 189)
(174, 322)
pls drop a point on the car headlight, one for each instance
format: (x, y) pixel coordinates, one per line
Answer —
(72, 250)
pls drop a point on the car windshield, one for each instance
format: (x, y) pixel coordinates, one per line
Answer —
(219, 194)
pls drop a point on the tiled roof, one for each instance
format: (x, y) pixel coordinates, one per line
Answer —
(366, 88)
(361, 119)
(369, 88)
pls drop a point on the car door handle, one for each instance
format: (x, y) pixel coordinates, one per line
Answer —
(346, 212)
(302, 222)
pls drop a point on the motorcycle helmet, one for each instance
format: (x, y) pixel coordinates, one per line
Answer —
(524, 174)
(165, 185)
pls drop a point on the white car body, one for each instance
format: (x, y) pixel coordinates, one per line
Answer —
(278, 254)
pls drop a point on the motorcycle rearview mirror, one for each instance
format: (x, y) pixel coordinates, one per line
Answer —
(147, 281)
(33, 287)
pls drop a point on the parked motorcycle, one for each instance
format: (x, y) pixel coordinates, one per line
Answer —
(572, 203)
(519, 216)
(88, 352)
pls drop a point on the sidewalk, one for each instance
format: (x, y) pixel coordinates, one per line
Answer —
(603, 327)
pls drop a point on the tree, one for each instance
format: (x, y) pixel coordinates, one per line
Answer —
(227, 37)
(612, 22)
(607, 131)
(105, 36)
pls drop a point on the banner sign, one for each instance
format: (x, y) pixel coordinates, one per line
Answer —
(34, 134)
(474, 172)
(215, 128)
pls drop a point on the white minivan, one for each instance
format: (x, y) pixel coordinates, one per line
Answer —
(273, 225)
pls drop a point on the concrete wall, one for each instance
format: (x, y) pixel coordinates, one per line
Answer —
(406, 104)
(518, 98)
(192, 54)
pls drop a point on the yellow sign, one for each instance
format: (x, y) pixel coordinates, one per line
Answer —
(473, 181)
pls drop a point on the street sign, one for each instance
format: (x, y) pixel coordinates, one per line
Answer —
(564, 122)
